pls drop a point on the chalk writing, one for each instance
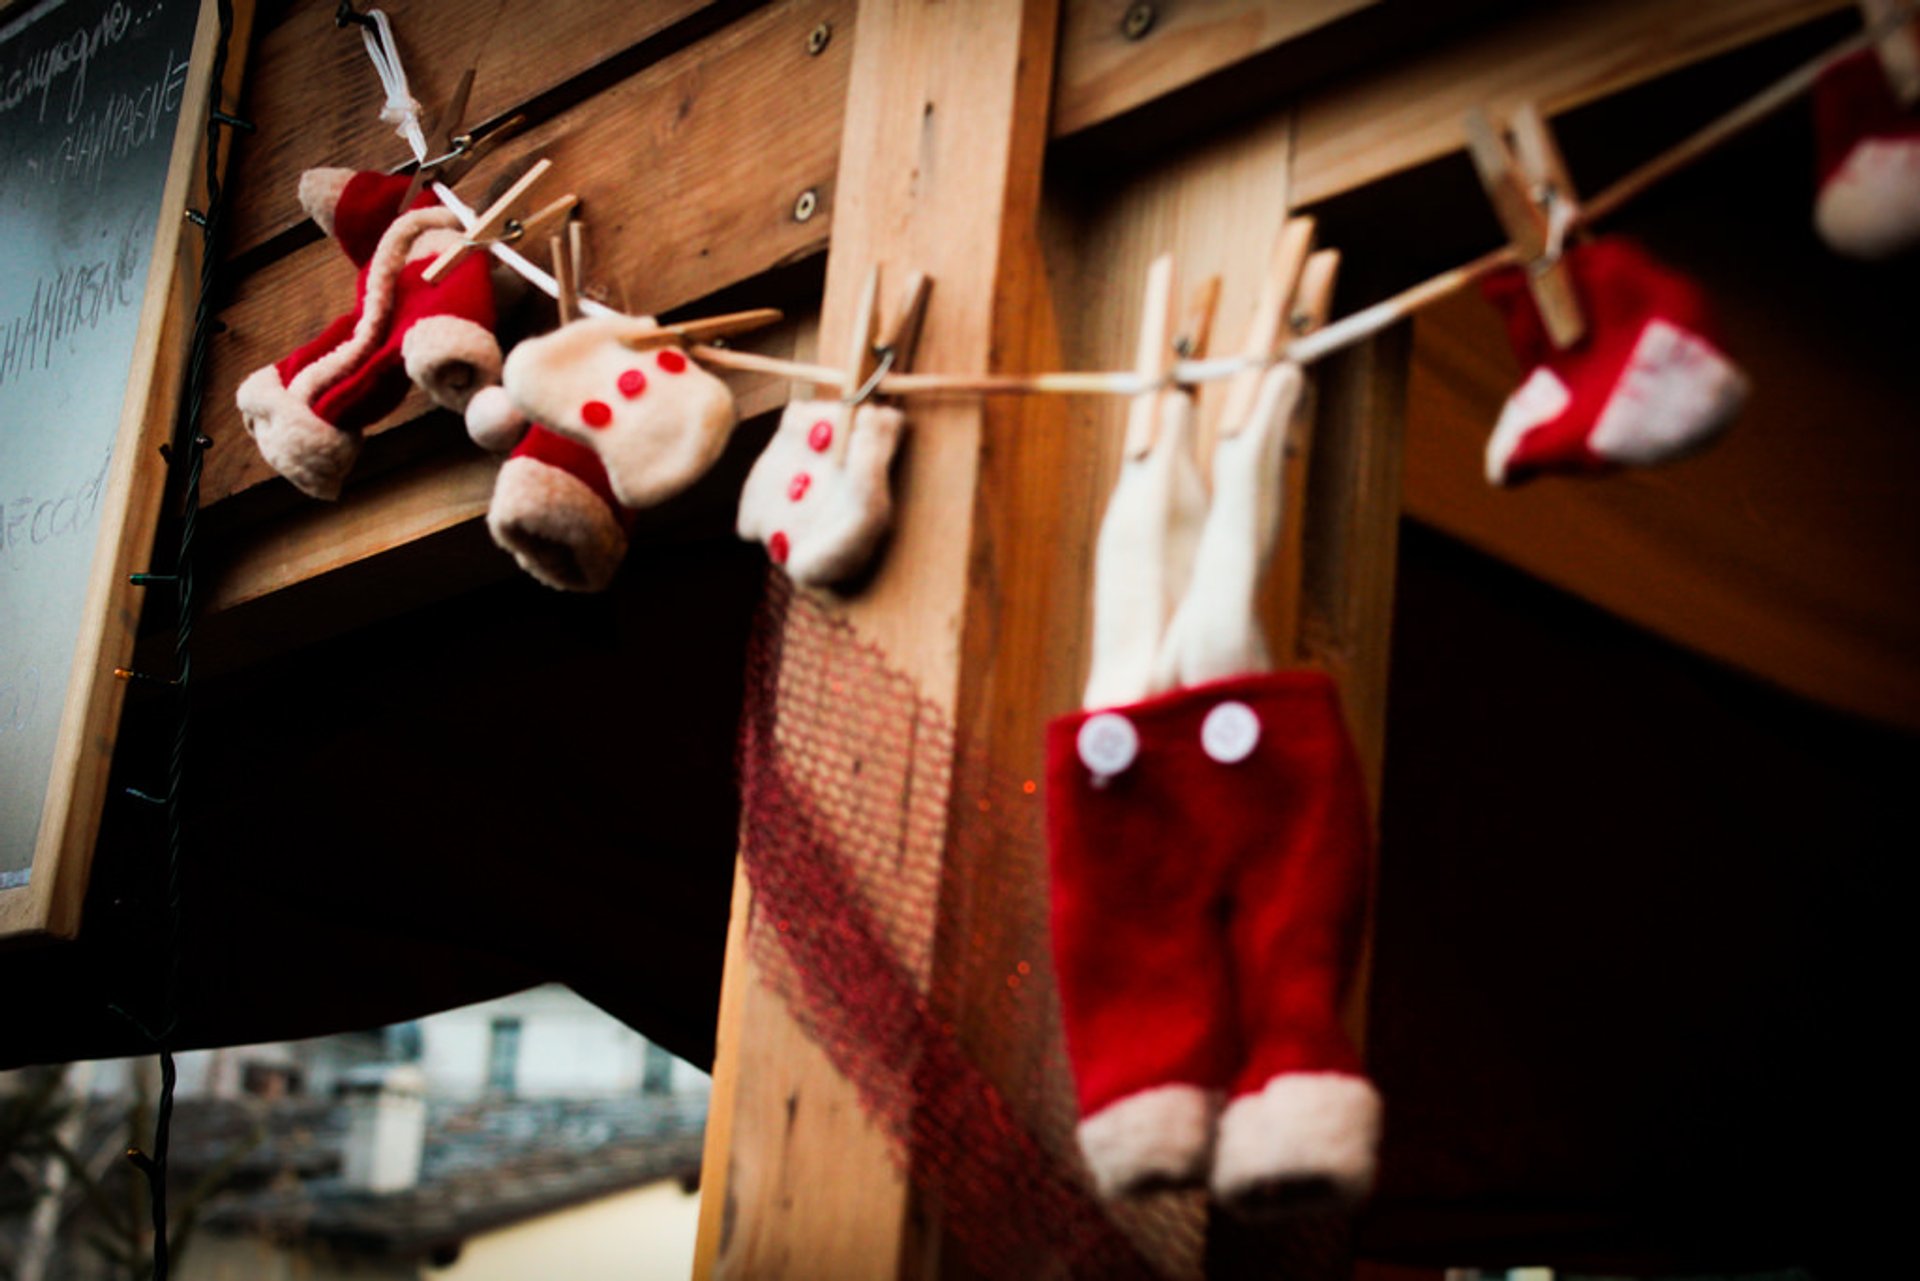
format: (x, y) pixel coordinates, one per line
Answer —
(41, 70)
(28, 521)
(19, 699)
(71, 301)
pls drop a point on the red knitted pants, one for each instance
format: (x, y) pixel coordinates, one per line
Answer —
(1209, 887)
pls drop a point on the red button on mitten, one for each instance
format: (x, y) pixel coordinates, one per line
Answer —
(817, 496)
(1869, 161)
(1647, 382)
(306, 411)
(654, 418)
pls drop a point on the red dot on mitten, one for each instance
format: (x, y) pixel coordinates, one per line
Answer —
(1646, 383)
(554, 511)
(656, 420)
(1868, 153)
(818, 496)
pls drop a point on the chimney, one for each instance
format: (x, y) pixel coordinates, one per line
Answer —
(386, 1127)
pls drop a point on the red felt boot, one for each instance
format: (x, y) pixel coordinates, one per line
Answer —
(1868, 149)
(306, 411)
(554, 511)
(1645, 384)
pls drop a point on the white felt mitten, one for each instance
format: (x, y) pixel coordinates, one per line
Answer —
(656, 420)
(818, 497)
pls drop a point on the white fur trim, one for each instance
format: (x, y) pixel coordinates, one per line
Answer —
(450, 358)
(556, 528)
(492, 421)
(376, 309)
(320, 191)
(296, 442)
(655, 444)
(1541, 398)
(1302, 1135)
(1144, 558)
(1676, 393)
(1870, 206)
(833, 528)
(1156, 1138)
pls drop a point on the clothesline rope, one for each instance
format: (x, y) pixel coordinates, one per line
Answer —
(1305, 350)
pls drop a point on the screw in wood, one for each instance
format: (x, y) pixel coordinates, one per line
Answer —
(818, 38)
(807, 205)
(1138, 21)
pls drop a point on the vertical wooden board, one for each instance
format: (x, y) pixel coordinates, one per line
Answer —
(316, 97)
(939, 172)
(688, 183)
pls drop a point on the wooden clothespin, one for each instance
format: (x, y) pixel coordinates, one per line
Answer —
(502, 223)
(460, 148)
(568, 254)
(863, 353)
(1899, 47)
(1154, 357)
(1537, 205)
(1312, 304)
(647, 335)
(902, 334)
(1271, 314)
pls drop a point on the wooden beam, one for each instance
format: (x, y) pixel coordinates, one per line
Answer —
(939, 172)
(1116, 55)
(687, 179)
(1785, 551)
(517, 57)
(1409, 110)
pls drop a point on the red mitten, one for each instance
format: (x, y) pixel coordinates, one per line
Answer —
(1645, 384)
(817, 495)
(554, 511)
(1868, 150)
(656, 420)
(1209, 859)
(306, 411)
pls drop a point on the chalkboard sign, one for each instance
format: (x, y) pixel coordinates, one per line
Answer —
(102, 111)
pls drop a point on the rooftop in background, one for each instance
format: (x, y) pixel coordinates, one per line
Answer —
(486, 1165)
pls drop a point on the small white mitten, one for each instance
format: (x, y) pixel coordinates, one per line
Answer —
(656, 419)
(818, 496)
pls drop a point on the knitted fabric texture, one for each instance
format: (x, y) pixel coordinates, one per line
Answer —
(656, 420)
(1645, 384)
(306, 411)
(817, 497)
(1868, 158)
(554, 512)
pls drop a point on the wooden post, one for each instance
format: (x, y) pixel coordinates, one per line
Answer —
(940, 165)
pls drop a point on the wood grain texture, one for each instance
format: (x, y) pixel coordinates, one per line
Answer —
(939, 172)
(687, 180)
(1409, 110)
(1789, 550)
(130, 511)
(1104, 72)
(316, 98)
